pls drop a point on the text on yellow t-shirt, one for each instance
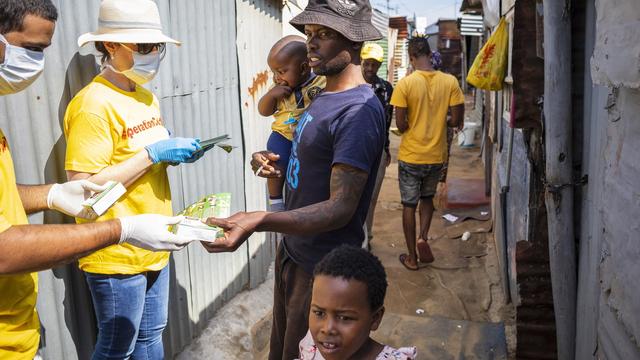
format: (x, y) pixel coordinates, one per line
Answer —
(104, 126)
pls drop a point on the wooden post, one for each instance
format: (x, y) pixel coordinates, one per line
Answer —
(559, 176)
(463, 63)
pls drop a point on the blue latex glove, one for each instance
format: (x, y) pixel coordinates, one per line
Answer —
(195, 156)
(174, 150)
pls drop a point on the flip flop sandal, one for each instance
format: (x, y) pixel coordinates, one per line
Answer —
(403, 258)
(425, 255)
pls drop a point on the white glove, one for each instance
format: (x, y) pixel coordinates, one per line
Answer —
(68, 198)
(149, 231)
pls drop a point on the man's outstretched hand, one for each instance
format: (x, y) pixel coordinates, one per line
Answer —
(237, 230)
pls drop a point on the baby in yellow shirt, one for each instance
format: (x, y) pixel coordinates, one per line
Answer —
(293, 89)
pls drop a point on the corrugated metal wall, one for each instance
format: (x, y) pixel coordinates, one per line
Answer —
(381, 21)
(290, 10)
(518, 197)
(609, 287)
(259, 25)
(202, 89)
(383, 71)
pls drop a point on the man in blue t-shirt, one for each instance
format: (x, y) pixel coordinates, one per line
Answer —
(336, 150)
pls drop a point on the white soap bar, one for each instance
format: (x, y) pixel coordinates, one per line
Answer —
(102, 201)
(195, 229)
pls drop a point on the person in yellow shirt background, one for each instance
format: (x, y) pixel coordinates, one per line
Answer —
(422, 100)
(26, 29)
(114, 131)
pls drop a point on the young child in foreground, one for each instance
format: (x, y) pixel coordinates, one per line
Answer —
(293, 89)
(340, 317)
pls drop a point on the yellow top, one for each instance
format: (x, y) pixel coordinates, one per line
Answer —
(295, 104)
(427, 95)
(105, 126)
(19, 325)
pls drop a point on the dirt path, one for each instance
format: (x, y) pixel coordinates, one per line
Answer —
(462, 284)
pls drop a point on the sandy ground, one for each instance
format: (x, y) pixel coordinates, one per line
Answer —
(238, 329)
(463, 283)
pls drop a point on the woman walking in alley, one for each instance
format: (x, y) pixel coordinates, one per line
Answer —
(114, 131)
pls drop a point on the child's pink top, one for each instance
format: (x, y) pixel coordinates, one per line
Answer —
(309, 351)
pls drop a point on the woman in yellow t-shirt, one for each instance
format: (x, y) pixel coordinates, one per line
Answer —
(114, 131)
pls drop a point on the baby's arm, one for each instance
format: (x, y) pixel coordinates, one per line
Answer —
(269, 102)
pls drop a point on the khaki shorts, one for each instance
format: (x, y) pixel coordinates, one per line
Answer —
(417, 181)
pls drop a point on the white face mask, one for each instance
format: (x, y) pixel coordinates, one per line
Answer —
(144, 69)
(21, 67)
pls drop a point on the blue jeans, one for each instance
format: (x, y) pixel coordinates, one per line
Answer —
(131, 311)
(417, 181)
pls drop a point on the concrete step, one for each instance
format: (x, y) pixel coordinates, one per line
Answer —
(439, 338)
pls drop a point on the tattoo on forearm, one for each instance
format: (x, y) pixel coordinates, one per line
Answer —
(346, 188)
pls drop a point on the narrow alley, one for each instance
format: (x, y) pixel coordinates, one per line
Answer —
(453, 308)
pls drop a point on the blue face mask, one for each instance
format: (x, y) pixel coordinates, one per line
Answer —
(144, 69)
(20, 68)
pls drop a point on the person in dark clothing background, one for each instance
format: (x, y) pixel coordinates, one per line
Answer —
(372, 56)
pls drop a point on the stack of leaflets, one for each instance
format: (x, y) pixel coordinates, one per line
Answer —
(100, 202)
(214, 205)
(216, 141)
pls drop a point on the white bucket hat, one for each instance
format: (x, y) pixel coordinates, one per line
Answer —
(126, 21)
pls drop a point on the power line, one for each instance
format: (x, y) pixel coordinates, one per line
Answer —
(386, 6)
(401, 4)
(443, 7)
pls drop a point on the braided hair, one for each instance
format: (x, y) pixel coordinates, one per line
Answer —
(419, 46)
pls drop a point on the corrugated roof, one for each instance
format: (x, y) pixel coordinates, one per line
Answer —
(471, 25)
